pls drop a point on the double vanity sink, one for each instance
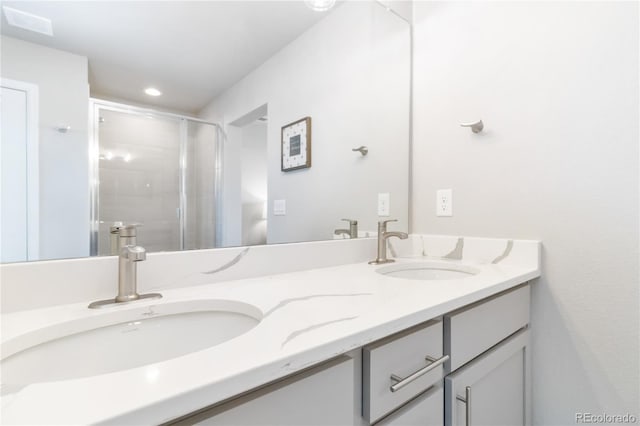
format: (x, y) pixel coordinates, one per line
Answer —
(206, 343)
(135, 335)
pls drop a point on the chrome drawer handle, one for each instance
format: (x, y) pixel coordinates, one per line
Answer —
(400, 382)
(467, 401)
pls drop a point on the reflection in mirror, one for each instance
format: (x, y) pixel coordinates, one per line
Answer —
(182, 128)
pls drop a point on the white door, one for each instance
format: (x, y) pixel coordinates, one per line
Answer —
(18, 162)
(491, 390)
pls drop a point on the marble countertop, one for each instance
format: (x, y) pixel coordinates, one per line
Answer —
(307, 317)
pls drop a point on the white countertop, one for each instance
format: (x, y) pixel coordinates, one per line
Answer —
(308, 317)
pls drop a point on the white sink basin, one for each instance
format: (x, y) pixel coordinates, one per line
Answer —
(428, 271)
(122, 339)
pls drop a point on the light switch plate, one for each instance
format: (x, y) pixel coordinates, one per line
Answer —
(383, 204)
(444, 202)
(279, 207)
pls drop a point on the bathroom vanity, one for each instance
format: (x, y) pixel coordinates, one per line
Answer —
(480, 350)
(419, 341)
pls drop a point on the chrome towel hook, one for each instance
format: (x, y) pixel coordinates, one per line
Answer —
(476, 127)
(362, 150)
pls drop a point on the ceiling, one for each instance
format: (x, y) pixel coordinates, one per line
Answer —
(190, 50)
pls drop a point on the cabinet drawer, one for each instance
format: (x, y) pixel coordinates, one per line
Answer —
(470, 331)
(405, 355)
(424, 410)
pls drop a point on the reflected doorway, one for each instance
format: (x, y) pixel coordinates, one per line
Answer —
(249, 136)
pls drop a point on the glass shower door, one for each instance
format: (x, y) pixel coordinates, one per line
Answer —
(139, 177)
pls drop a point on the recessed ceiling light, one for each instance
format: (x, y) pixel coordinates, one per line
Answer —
(320, 5)
(152, 91)
(28, 21)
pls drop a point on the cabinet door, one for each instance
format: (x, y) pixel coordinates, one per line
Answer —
(424, 410)
(321, 396)
(491, 390)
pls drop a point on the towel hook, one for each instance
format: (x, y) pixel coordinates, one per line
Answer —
(362, 150)
(476, 126)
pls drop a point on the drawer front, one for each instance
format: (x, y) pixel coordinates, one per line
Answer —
(472, 330)
(424, 410)
(400, 355)
(323, 395)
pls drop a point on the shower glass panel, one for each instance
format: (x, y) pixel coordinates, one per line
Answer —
(200, 189)
(157, 170)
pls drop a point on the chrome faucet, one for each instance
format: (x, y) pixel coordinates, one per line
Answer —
(383, 236)
(352, 232)
(129, 254)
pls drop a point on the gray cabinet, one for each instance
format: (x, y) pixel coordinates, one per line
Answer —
(321, 396)
(492, 389)
(488, 345)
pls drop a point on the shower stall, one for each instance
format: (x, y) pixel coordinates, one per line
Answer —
(156, 169)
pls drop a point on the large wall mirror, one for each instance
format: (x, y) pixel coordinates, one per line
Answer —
(210, 123)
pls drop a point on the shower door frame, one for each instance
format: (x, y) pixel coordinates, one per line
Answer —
(95, 105)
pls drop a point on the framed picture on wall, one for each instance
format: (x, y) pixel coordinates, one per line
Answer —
(296, 145)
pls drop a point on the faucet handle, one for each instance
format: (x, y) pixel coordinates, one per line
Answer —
(351, 221)
(134, 253)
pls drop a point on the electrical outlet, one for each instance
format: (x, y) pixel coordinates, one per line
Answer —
(444, 202)
(383, 204)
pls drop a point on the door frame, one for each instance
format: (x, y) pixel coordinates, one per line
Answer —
(33, 175)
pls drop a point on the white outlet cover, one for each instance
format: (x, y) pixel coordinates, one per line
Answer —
(444, 202)
(384, 201)
(279, 207)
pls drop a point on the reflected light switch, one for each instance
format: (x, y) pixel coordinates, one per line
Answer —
(279, 207)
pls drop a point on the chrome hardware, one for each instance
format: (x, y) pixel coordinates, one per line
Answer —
(352, 232)
(467, 401)
(114, 234)
(476, 126)
(400, 382)
(383, 236)
(129, 255)
(362, 150)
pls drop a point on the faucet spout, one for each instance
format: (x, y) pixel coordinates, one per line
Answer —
(401, 235)
(383, 236)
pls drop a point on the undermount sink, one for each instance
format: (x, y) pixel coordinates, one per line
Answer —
(123, 339)
(428, 271)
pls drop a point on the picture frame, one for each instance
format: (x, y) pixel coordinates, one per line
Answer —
(295, 151)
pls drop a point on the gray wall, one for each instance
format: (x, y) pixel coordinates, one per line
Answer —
(557, 87)
(64, 157)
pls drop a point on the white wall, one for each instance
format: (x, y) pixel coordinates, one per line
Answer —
(64, 157)
(557, 87)
(349, 73)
